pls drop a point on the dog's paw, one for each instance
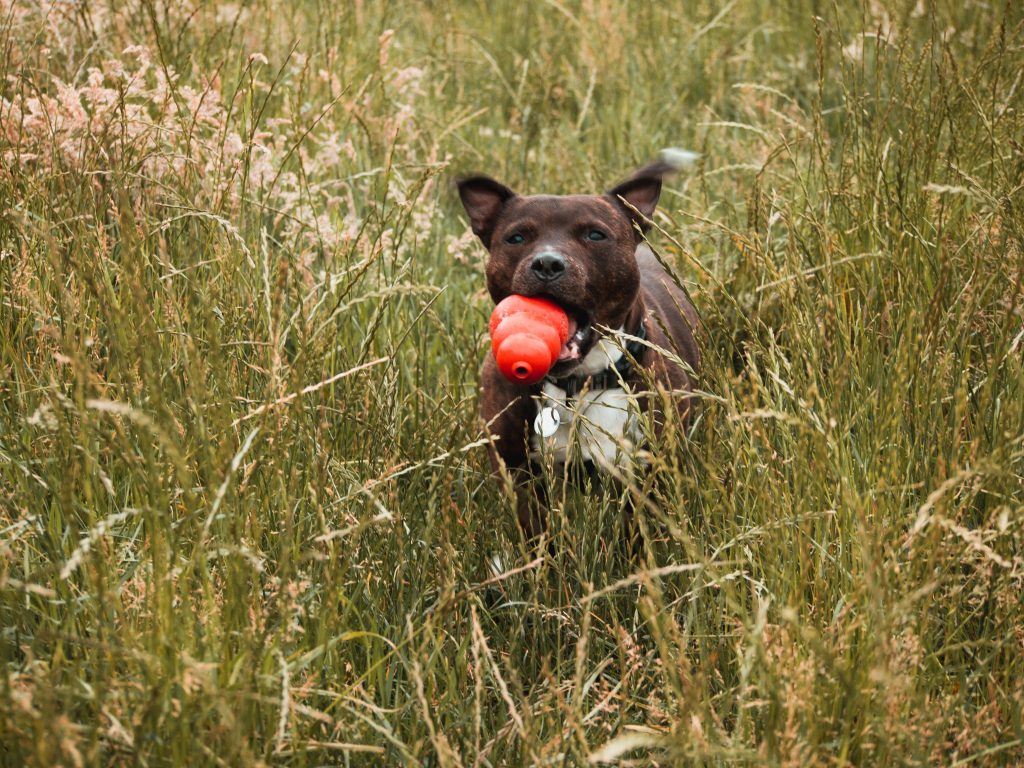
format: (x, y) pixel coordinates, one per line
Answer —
(496, 563)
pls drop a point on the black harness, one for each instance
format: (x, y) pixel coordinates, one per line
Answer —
(610, 377)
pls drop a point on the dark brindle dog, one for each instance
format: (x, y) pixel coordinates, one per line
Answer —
(586, 253)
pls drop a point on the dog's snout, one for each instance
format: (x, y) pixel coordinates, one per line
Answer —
(548, 265)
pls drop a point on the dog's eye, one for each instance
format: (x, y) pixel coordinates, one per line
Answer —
(515, 238)
(596, 234)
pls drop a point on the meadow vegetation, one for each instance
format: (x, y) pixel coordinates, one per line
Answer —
(246, 515)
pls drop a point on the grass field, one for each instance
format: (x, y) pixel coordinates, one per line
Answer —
(245, 510)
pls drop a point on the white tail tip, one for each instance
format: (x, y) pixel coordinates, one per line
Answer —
(678, 158)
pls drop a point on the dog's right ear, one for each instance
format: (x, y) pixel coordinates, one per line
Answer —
(642, 191)
(483, 198)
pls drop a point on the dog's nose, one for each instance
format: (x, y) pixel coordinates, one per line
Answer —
(548, 265)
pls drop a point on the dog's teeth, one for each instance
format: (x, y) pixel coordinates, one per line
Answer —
(570, 350)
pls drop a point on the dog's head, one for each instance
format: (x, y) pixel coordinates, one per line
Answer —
(577, 250)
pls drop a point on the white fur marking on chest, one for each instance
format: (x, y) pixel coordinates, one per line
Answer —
(601, 425)
(605, 354)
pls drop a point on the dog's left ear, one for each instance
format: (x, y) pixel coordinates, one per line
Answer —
(641, 191)
(483, 198)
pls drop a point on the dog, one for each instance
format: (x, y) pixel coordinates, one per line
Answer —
(587, 254)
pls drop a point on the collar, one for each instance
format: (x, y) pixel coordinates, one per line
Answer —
(612, 376)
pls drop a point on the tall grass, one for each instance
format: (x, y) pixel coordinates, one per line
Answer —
(245, 513)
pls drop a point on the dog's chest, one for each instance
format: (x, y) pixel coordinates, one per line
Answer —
(599, 426)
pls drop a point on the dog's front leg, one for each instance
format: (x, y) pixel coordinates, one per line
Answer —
(507, 411)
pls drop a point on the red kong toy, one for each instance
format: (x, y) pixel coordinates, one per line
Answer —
(527, 337)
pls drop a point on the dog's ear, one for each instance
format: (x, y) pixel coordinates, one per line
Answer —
(641, 191)
(483, 198)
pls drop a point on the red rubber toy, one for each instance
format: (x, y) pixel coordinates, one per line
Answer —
(526, 337)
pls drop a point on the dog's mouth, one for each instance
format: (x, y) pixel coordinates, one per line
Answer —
(576, 346)
(581, 337)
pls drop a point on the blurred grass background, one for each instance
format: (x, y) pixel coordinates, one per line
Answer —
(245, 516)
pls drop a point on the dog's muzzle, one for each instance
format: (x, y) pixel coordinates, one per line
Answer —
(548, 266)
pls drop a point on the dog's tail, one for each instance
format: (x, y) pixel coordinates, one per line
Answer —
(671, 161)
(678, 159)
